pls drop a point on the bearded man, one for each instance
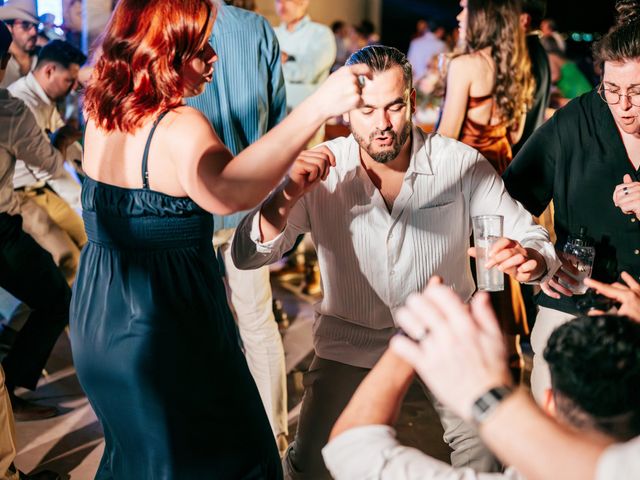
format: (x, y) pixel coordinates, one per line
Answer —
(387, 208)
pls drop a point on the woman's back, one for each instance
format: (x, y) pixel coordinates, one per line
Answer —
(115, 158)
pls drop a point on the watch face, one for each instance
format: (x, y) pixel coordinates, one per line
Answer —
(488, 402)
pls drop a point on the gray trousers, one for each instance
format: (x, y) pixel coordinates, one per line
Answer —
(329, 386)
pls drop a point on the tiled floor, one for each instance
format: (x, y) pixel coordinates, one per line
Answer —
(72, 442)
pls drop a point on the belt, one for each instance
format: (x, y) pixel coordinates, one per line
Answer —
(39, 190)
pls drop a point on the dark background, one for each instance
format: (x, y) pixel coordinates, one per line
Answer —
(399, 17)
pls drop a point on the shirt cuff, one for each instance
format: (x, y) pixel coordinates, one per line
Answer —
(256, 235)
(359, 452)
(548, 252)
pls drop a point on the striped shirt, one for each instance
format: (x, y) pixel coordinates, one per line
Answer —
(247, 96)
(372, 260)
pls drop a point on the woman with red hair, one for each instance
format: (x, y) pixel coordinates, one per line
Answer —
(154, 342)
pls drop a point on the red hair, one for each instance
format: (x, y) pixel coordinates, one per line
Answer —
(144, 47)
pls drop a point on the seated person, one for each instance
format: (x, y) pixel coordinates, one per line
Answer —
(595, 367)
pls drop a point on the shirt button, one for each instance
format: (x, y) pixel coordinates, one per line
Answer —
(636, 251)
(633, 219)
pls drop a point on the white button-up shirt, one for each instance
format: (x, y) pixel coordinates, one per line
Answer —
(312, 48)
(372, 453)
(48, 118)
(370, 259)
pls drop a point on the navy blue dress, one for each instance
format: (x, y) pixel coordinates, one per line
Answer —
(155, 345)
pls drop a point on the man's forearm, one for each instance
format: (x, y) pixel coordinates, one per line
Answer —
(378, 398)
(274, 214)
(520, 434)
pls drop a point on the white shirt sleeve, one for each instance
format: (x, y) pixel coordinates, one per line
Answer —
(488, 195)
(249, 251)
(315, 62)
(620, 462)
(372, 452)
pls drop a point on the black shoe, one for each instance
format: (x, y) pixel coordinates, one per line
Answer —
(41, 475)
(24, 410)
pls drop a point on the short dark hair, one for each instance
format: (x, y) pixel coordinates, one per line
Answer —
(536, 9)
(381, 58)
(245, 4)
(622, 43)
(5, 39)
(62, 53)
(595, 374)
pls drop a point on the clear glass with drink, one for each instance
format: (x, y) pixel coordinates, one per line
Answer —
(581, 254)
(487, 230)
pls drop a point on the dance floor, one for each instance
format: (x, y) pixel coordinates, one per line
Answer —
(72, 443)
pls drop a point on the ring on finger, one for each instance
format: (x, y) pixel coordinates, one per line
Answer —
(423, 336)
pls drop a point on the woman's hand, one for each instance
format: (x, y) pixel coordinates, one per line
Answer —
(626, 196)
(628, 294)
(342, 91)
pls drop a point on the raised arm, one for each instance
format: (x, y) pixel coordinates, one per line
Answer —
(223, 184)
(461, 358)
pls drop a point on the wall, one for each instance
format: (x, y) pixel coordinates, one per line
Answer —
(328, 11)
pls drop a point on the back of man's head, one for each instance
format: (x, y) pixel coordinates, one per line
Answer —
(595, 374)
(381, 58)
(61, 53)
(245, 4)
(5, 39)
(536, 9)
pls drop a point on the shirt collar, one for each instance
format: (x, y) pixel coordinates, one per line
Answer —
(419, 163)
(37, 89)
(300, 25)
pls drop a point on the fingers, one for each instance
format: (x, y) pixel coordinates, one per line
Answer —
(361, 69)
(607, 290)
(326, 151)
(502, 251)
(435, 280)
(455, 313)
(484, 315)
(472, 252)
(406, 349)
(410, 323)
(631, 282)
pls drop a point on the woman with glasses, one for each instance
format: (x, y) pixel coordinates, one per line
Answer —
(587, 160)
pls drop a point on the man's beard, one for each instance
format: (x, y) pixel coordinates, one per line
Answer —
(386, 155)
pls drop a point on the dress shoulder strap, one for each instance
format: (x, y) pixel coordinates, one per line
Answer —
(145, 157)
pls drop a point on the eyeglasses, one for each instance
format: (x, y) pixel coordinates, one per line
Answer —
(26, 25)
(612, 97)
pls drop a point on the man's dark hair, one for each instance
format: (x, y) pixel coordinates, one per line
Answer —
(536, 9)
(381, 58)
(337, 26)
(595, 374)
(5, 39)
(245, 4)
(62, 53)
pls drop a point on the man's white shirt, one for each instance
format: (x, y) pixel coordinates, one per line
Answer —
(371, 259)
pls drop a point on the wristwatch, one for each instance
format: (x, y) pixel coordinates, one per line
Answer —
(484, 406)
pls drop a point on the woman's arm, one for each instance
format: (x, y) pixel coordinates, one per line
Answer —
(456, 99)
(222, 184)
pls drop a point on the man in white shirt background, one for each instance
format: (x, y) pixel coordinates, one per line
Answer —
(392, 207)
(21, 17)
(50, 205)
(595, 369)
(425, 48)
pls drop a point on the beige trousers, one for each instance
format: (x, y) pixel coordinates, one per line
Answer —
(55, 226)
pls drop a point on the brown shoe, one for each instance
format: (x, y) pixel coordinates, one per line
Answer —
(24, 410)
